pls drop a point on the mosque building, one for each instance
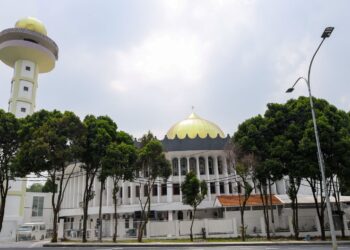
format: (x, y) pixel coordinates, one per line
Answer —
(193, 144)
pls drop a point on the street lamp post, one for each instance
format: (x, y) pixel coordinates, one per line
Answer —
(327, 32)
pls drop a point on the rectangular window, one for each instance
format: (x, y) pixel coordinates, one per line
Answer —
(176, 189)
(222, 188)
(38, 206)
(25, 88)
(27, 68)
(137, 191)
(129, 191)
(175, 168)
(126, 223)
(121, 192)
(201, 166)
(220, 166)
(164, 189)
(145, 190)
(23, 110)
(230, 188)
(212, 187)
(155, 190)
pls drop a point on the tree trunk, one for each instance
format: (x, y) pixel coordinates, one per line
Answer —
(2, 210)
(4, 190)
(54, 229)
(191, 231)
(319, 207)
(100, 212)
(264, 199)
(115, 219)
(271, 210)
(85, 208)
(242, 224)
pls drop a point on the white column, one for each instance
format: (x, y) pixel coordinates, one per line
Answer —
(197, 168)
(108, 191)
(71, 193)
(96, 193)
(179, 165)
(188, 164)
(207, 173)
(78, 189)
(124, 193)
(132, 192)
(169, 188)
(158, 190)
(224, 162)
(216, 172)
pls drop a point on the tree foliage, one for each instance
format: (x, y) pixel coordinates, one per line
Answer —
(50, 141)
(119, 163)
(283, 141)
(155, 168)
(193, 193)
(9, 143)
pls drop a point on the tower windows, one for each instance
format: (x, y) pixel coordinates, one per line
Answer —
(23, 110)
(25, 88)
(27, 68)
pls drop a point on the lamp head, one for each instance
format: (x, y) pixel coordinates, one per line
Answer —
(289, 90)
(327, 32)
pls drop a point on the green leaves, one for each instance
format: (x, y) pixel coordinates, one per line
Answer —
(193, 190)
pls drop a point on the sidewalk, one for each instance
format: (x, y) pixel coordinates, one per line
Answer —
(190, 244)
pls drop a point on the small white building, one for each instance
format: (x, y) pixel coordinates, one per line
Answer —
(38, 208)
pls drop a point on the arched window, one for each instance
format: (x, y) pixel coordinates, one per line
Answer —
(193, 165)
(220, 167)
(211, 165)
(201, 165)
(175, 167)
(183, 166)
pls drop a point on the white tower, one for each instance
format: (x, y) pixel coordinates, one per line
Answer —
(29, 51)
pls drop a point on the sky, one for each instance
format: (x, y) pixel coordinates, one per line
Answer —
(146, 63)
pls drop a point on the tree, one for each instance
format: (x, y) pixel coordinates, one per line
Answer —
(49, 187)
(193, 193)
(253, 137)
(243, 164)
(119, 164)
(35, 187)
(101, 131)
(9, 143)
(53, 141)
(283, 141)
(155, 167)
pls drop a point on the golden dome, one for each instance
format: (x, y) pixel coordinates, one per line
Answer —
(33, 24)
(194, 126)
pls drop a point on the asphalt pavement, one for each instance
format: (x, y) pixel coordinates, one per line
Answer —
(316, 247)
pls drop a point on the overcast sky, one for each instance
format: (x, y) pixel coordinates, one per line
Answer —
(145, 63)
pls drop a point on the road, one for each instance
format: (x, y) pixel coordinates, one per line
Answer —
(38, 246)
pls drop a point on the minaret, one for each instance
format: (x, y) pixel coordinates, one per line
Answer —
(29, 51)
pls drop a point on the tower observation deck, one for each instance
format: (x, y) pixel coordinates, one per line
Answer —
(29, 51)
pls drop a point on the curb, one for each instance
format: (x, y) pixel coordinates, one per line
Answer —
(199, 244)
